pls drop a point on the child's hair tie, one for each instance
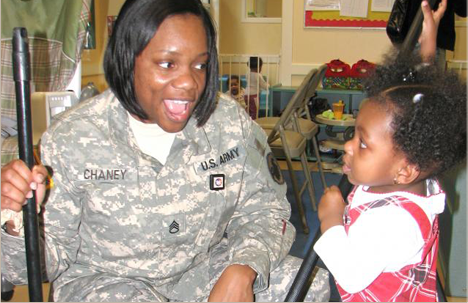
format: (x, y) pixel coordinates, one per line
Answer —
(413, 72)
(418, 97)
(410, 76)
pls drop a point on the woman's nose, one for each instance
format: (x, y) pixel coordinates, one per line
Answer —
(186, 79)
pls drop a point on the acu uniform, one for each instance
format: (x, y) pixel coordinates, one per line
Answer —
(120, 226)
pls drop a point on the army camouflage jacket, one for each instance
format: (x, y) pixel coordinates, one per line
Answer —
(118, 211)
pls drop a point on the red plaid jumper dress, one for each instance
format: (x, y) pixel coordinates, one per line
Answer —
(412, 283)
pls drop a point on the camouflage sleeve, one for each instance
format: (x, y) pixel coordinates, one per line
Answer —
(260, 234)
(14, 259)
(62, 210)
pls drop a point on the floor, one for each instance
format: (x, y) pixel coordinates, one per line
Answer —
(302, 242)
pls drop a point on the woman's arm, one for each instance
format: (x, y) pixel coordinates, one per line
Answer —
(259, 232)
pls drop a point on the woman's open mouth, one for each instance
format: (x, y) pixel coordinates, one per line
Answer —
(177, 110)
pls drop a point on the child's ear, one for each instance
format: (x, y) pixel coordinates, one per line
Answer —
(407, 174)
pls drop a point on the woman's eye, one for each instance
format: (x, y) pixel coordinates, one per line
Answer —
(362, 145)
(165, 64)
(201, 66)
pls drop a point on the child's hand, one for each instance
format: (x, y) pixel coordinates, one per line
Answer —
(428, 38)
(331, 208)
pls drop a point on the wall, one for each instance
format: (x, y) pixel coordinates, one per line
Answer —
(452, 222)
(300, 48)
(460, 52)
(306, 48)
(319, 45)
(311, 47)
(92, 69)
(237, 37)
(273, 8)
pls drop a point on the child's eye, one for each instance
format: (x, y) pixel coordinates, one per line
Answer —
(362, 145)
(165, 64)
(201, 66)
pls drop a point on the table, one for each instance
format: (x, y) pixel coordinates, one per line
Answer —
(352, 98)
(347, 120)
(279, 97)
(336, 139)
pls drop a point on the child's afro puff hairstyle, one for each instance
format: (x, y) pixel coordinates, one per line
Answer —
(428, 107)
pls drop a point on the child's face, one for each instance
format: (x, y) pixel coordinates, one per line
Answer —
(234, 87)
(370, 157)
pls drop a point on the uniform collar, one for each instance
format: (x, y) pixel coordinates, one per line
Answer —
(119, 126)
(191, 141)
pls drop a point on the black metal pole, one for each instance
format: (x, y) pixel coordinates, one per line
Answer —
(22, 75)
(299, 287)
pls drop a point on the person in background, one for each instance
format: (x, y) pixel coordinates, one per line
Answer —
(256, 84)
(446, 35)
(236, 91)
(383, 245)
(161, 191)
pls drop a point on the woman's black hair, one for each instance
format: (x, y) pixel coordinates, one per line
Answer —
(428, 106)
(135, 26)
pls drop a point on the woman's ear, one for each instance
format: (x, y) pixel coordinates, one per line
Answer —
(407, 174)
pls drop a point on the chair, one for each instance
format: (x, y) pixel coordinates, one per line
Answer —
(307, 126)
(286, 139)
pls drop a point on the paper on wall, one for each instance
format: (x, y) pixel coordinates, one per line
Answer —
(354, 8)
(322, 5)
(382, 5)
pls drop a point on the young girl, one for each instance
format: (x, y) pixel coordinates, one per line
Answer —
(383, 245)
(256, 85)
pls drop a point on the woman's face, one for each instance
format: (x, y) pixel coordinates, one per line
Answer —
(170, 73)
(370, 158)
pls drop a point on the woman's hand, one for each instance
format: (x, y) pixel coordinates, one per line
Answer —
(331, 208)
(428, 38)
(18, 182)
(234, 285)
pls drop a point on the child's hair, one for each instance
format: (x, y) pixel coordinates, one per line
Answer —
(233, 77)
(428, 106)
(255, 63)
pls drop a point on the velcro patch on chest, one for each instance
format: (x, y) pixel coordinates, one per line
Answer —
(220, 160)
(104, 174)
(173, 225)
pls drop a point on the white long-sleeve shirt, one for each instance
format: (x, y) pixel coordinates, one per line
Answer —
(256, 83)
(383, 239)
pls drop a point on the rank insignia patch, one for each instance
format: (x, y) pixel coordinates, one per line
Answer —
(174, 227)
(217, 182)
(274, 168)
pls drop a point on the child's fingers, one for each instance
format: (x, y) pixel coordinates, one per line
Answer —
(439, 13)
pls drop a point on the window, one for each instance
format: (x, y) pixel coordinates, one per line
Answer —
(261, 11)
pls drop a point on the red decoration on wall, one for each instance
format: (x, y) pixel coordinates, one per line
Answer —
(311, 22)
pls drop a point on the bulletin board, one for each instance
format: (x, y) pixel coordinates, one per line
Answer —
(332, 18)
